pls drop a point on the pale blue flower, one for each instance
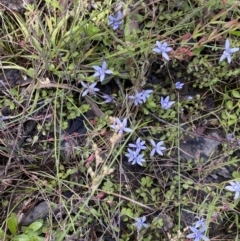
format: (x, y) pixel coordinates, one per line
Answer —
(227, 52)
(140, 145)
(90, 89)
(140, 97)
(101, 71)
(197, 234)
(234, 187)
(146, 94)
(132, 154)
(179, 85)
(135, 157)
(139, 160)
(107, 98)
(115, 22)
(162, 48)
(165, 103)
(157, 148)
(140, 223)
(137, 99)
(120, 127)
(200, 223)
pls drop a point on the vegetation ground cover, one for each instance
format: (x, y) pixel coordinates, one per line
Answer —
(119, 120)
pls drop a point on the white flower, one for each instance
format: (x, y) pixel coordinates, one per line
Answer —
(101, 71)
(90, 89)
(140, 223)
(157, 148)
(179, 85)
(227, 52)
(120, 127)
(162, 48)
(165, 103)
(234, 187)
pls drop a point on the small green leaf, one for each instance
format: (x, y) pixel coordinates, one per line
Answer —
(21, 237)
(14, 92)
(229, 104)
(231, 122)
(235, 94)
(30, 72)
(127, 211)
(146, 181)
(35, 226)
(12, 223)
(151, 104)
(235, 32)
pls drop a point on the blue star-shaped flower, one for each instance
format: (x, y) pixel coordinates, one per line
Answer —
(139, 160)
(90, 89)
(120, 127)
(162, 48)
(140, 223)
(140, 97)
(157, 148)
(140, 145)
(200, 223)
(227, 52)
(131, 154)
(234, 187)
(179, 85)
(115, 22)
(137, 99)
(165, 103)
(101, 71)
(197, 234)
(107, 98)
(146, 94)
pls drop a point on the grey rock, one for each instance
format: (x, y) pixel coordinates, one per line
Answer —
(40, 211)
(167, 222)
(200, 147)
(15, 5)
(11, 78)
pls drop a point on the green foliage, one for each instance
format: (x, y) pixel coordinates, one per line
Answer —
(31, 233)
(12, 223)
(62, 43)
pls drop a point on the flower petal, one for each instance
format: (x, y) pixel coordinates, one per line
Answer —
(230, 188)
(127, 129)
(157, 50)
(229, 59)
(227, 44)
(222, 57)
(84, 85)
(104, 65)
(102, 76)
(93, 85)
(85, 93)
(107, 71)
(165, 56)
(168, 49)
(95, 89)
(236, 195)
(158, 44)
(96, 74)
(233, 50)
(153, 143)
(119, 15)
(96, 67)
(152, 152)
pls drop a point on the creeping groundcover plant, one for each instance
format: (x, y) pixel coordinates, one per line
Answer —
(134, 131)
